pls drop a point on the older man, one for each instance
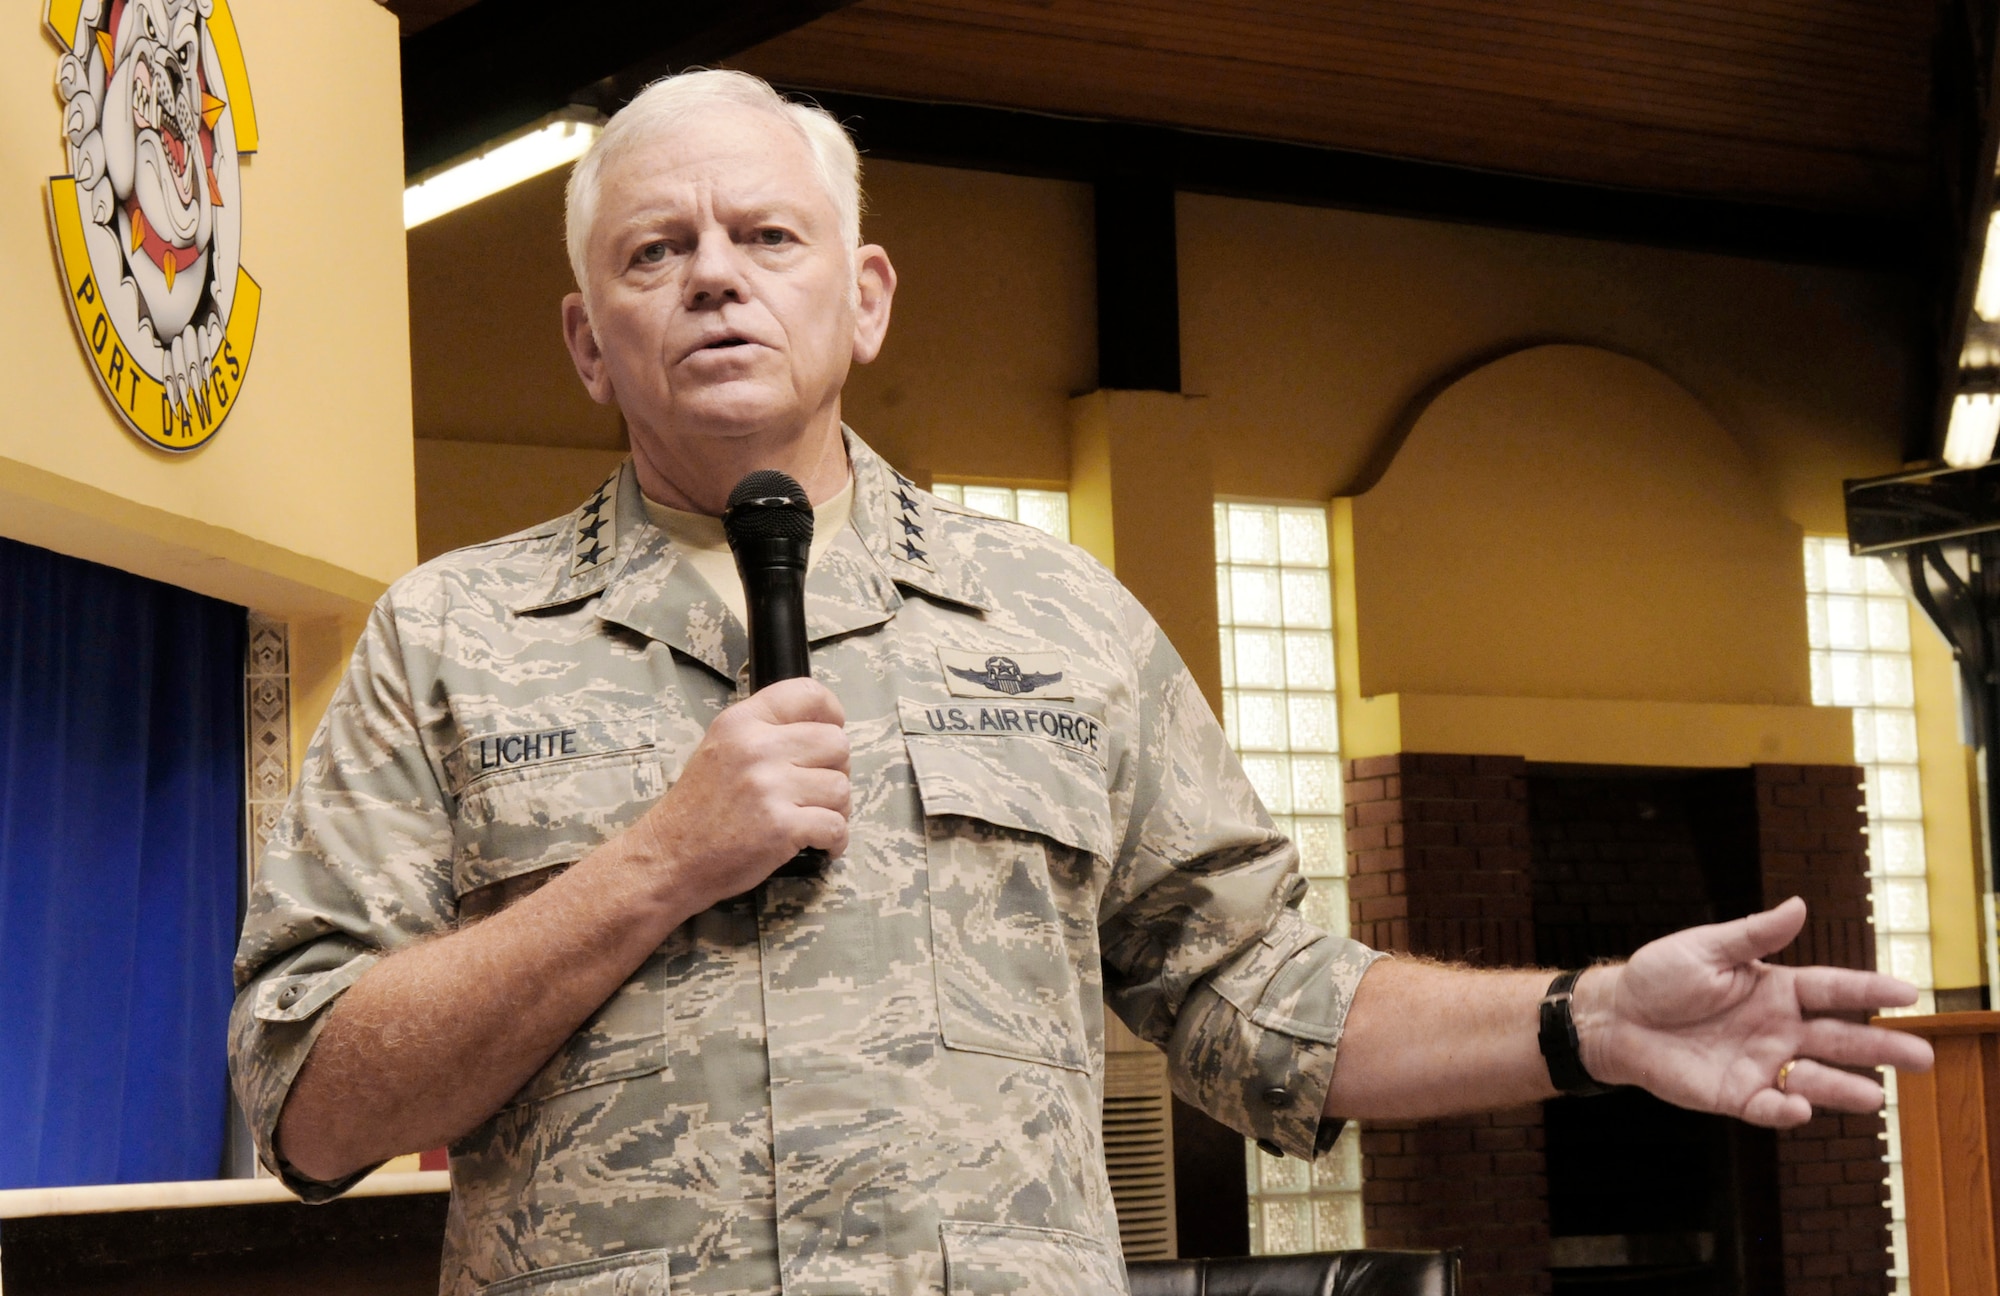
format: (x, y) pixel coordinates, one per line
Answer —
(521, 900)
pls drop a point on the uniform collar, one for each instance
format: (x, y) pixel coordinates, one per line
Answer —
(610, 550)
(899, 526)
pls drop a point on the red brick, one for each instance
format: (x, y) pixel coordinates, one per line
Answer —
(1359, 790)
(1373, 837)
(1370, 813)
(1363, 767)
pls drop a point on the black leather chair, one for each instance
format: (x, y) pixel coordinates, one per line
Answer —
(1324, 1273)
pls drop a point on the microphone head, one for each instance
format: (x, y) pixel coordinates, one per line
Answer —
(768, 505)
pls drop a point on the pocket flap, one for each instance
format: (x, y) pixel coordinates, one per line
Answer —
(521, 821)
(635, 1273)
(990, 1259)
(1035, 767)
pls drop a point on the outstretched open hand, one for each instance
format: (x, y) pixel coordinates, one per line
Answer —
(1700, 1020)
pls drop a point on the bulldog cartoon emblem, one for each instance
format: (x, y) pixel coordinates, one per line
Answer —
(157, 115)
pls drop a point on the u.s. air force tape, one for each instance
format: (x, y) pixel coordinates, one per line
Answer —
(1067, 726)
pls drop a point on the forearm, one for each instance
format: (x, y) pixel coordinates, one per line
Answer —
(434, 1039)
(1423, 1039)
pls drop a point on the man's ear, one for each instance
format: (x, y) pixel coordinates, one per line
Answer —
(875, 289)
(584, 352)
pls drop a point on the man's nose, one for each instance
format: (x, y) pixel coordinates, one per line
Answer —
(715, 273)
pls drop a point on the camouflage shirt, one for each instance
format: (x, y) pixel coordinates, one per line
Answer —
(885, 1080)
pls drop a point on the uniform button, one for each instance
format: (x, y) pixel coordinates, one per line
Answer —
(288, 996)
(1277, 1096)
(1270, 1146)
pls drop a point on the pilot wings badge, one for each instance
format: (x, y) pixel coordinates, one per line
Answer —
(1009, 675)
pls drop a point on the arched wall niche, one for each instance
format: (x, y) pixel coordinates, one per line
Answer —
(1565, 522)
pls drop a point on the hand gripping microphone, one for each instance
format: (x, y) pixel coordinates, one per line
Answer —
(769, 524)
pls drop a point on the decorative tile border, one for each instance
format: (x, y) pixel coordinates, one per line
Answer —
(267, 721)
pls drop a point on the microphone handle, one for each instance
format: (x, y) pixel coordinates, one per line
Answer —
(775, 594)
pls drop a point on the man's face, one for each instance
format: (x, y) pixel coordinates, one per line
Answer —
(722, 302)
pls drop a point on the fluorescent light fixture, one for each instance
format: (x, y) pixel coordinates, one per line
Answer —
(1975, 422)
(1986, 298)
(553, 142)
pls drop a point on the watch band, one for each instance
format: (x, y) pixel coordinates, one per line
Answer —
(1560, 1049)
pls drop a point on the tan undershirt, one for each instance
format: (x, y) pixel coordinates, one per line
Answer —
(700, 537)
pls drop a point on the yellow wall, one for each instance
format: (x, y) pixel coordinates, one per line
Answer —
(1950, 813)
(301, 504)
(1570, 523)
(1314, 333)
(468, 491)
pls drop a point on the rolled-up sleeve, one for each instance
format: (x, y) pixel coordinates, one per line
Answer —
(1205, 952)
(358, 865)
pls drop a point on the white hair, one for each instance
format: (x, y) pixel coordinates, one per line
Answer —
(670, 101)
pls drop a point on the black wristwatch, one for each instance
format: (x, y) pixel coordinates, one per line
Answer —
(1559, 1043)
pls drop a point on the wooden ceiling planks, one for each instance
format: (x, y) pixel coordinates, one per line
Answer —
(1822, 105)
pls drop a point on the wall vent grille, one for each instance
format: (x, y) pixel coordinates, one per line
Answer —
(1139, 1152)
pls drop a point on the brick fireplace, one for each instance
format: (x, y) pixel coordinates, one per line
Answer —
(1490, 860)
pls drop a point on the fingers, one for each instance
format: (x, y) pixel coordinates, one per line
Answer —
(796, 701)
(1832, 1089)
(1851, 1044)
(1825, 989)
(823, 788)
(1776, 1110)
(1748, 939)
(825, 829)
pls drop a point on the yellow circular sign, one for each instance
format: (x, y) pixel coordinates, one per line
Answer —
(156, 117)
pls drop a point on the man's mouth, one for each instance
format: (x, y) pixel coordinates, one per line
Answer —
(725, 343)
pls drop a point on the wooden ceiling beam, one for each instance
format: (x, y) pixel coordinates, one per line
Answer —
(1091, 151)
(498, 65)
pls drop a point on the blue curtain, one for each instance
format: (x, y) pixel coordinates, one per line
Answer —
(121, 817)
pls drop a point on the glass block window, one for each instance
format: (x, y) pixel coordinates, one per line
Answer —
(1858, 622)
(1044, 510)
(1274, 600)
(1858, 626)
(1306, 1206)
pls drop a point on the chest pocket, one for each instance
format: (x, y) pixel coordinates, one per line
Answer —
(530, 799)
(1018, 829)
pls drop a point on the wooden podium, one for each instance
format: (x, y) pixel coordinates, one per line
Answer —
(1950, 1122)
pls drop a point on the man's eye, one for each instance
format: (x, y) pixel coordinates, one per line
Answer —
(772, 237)
(653, 253)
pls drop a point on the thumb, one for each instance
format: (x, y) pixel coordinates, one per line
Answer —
(1760, 934)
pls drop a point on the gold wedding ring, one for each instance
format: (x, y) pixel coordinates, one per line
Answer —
(1784, 1074)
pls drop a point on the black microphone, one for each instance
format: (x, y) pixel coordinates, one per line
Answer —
(769, 524)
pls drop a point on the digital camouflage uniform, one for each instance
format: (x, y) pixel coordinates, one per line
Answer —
(887, 1080)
